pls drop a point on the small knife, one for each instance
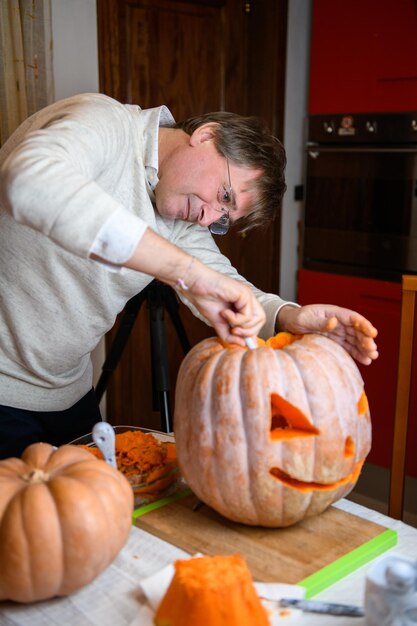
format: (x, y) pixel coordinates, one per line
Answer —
(328, 608)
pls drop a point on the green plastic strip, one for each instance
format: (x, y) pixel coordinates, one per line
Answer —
(146, 508)
(349, 563)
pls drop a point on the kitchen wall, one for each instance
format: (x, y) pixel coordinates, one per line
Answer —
(74, 30)
(296, 87)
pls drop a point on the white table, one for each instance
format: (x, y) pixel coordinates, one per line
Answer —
(114, 598)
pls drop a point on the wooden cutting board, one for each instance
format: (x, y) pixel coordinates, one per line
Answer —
(315, 552)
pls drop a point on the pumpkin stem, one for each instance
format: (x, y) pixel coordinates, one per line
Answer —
(36, 476)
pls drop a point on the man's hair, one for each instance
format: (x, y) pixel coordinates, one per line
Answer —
(247, 142)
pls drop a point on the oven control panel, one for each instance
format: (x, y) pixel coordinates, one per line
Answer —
(363, 128)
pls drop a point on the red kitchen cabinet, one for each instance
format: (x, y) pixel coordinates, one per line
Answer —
(363, 56)
(380, 302)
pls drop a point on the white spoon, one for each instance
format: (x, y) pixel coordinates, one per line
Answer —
(105, 440)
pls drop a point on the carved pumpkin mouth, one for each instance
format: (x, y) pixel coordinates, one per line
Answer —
(299, 485)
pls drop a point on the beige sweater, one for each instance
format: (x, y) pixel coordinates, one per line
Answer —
(63, 173)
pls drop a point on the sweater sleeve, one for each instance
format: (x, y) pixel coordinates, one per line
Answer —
(61, 177)
(198, 241)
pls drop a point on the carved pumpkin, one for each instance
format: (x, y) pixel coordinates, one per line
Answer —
(64, 516)
(271, 435)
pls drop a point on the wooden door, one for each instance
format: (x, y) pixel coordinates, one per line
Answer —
(195, 56)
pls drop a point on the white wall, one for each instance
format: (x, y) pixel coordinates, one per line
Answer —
(299, 12)
(75, 60)
(74, 29)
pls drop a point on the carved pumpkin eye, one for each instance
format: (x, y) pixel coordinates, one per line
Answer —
(287, 421)
(271, 435)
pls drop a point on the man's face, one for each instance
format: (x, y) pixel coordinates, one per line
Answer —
(194, 182)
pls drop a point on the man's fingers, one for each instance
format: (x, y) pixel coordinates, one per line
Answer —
(224, 331)
(244, 324)
(331, 324)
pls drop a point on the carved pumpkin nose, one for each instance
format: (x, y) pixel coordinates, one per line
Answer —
(271, 435)
(349, 448)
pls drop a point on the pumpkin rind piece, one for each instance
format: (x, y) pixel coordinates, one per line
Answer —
(214, 591)
(225, 401)
(64, 516)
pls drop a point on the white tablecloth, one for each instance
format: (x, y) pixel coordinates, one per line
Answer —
(114, 598)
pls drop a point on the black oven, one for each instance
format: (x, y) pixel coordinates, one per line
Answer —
(361, 195)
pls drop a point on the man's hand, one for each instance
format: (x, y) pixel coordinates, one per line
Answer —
(348, 328)
(229, 305)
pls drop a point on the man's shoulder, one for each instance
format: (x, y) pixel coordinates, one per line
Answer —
(87, 101)
(84, 105)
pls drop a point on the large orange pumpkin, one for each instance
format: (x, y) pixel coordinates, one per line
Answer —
(271, 435)
(64, 516)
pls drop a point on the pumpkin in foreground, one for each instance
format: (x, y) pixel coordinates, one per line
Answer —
(64, 516)
(272, 435)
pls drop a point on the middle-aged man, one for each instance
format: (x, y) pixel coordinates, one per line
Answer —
(97, 198)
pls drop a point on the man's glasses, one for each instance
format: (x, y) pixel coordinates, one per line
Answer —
(225, 199)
